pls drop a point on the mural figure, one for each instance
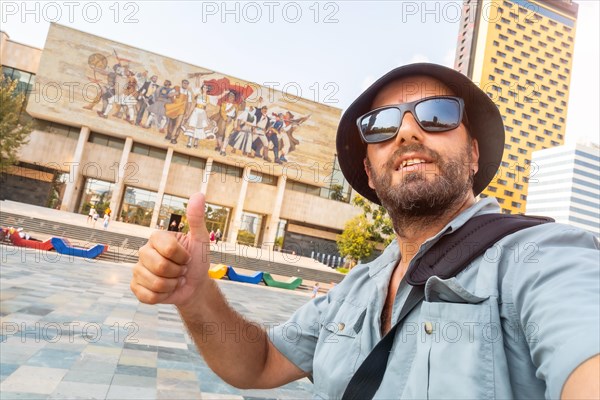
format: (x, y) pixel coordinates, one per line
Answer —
(210, 109)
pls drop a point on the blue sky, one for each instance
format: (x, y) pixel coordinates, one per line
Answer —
(325, 51)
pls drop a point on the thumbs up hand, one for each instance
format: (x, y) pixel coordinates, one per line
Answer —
(173, 268)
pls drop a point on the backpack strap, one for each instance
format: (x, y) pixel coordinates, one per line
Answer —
(446, 258)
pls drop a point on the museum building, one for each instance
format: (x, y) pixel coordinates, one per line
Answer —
(120, 127)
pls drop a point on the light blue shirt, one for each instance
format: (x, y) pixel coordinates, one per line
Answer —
(514, 324)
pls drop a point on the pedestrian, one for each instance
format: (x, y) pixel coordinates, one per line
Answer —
(91, 214)
(423, 141)
(315, 290)
(218, 235)
(107, 211)
(173, 226)
(211, 235)
(106, 220)
(94, 219)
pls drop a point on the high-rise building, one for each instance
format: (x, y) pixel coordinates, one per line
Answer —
(520, 52)
(566, 185)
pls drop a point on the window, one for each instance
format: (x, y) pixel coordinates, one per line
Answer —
(526, 116)
(512, 157)
(510, 111)
(225, 169)
(515, 204)
(522, 151)
(531, 145)
(59, 129)
(518, 186)
(259, 177)
(138, 206)
(107, 141)
(515, 140)
(149, 151)
(502, 182)
(524, 133)
(517, 122)
(523, 71)
(508, 193)
(527, 38)
(492, 188)
(96, 193)
(541, 121)
(191, 161)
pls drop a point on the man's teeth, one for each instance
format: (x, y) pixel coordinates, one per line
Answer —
(412, 161)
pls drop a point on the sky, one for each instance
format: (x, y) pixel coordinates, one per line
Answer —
(326, 51)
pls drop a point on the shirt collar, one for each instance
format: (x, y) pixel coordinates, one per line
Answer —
(389, 258)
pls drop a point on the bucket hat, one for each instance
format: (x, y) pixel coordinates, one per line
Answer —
(485, 125)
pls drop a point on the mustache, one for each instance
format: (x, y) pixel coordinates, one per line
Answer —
(413, 148)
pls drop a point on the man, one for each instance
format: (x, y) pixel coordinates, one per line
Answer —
(178, 110)
(146, 97)
(423, 141)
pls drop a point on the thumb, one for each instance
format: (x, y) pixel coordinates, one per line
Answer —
(195, 217)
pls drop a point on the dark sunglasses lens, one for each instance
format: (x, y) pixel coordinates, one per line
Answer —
(380, 125)
(438, 114)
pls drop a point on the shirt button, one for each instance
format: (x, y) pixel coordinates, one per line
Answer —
(341, 326)
(428, 328)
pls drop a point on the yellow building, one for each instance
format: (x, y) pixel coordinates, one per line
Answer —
(520, 52)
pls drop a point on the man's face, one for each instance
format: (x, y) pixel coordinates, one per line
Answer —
(419, 173)
(154, 79)
(184, 84)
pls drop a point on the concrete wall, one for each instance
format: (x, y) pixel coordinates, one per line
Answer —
(18, 55)
(316, 210)
(48, 149)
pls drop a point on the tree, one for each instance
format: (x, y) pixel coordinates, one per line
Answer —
(13, 131)
(362, 233)
(354, 242)
(380, 225)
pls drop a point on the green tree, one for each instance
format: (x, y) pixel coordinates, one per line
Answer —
(362, 233)
(380, 227)
(354, 242)
(13, 130)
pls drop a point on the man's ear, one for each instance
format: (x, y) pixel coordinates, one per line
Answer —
(475, 155)
(368, 172)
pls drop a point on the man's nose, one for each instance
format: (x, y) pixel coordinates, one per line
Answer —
(410, 130)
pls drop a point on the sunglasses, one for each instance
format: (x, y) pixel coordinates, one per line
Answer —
(433, 114)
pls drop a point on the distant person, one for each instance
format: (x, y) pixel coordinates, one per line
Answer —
(95, 219)
(173, 226)
(211, 236)
(106, 220)
(161, 225)
(91, 214)
(107, 211)
(218, 236)
(180, 227)
(315, 290)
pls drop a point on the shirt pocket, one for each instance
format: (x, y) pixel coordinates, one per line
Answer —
(457, 338)
(338, 349)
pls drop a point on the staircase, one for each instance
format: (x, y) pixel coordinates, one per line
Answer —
(124, 248)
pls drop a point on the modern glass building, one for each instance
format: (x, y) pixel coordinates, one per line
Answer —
(521, 54)
(566, 185)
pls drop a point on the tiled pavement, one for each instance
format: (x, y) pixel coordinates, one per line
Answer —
(71, 328)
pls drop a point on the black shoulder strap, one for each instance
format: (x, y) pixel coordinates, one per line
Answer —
(446, 258)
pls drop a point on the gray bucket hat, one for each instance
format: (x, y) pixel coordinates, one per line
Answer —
(485, 125)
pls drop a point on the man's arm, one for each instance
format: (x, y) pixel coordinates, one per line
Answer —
(584, 382)
(173, 269)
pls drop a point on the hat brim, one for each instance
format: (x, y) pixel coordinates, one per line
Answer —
(485, 125)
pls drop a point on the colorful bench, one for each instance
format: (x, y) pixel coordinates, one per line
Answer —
(32, 244)
(63, 246)
(290, 284)
(218, 271)
(234, 276)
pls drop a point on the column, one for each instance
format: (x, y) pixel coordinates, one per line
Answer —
(70, 196)
(239, 208)
(270, 234)
(206, 176)
(120, 183)
(161, 188)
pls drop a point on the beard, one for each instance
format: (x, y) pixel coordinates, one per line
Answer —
(421, 195)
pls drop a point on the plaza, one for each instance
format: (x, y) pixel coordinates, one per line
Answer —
(71, 328)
